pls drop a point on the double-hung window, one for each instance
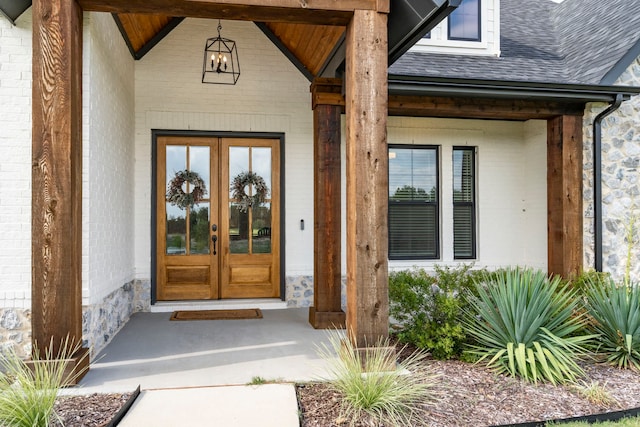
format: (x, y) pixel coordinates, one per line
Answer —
(464, 201)
(464, 22)
(413, 202)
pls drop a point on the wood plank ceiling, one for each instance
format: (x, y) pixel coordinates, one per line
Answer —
(309, 45)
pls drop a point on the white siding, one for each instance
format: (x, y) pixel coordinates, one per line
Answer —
(489, 43)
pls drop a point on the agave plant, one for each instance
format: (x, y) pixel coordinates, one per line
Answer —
(28, 391)
(616, 310)
(524, 324)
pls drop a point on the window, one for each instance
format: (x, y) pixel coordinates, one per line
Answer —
(413, 202)
(464, 224)
(464, 22)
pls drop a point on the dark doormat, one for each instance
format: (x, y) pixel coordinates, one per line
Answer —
(249, 313)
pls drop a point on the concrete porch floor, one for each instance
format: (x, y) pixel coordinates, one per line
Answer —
(156, 353)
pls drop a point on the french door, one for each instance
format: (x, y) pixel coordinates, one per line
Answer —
(218, 218)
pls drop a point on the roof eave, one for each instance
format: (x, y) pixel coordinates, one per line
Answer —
(410, 85)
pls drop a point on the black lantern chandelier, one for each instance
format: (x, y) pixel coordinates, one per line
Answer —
(220, 65)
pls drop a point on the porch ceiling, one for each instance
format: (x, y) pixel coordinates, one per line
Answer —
(309, 32)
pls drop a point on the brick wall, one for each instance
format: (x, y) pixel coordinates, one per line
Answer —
(15, 166)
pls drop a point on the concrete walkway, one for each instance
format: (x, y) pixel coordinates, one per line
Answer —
(269, 405)
(193, 373)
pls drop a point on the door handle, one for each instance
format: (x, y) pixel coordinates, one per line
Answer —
(214, 239)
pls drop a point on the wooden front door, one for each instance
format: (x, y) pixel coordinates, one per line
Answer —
(225, 243)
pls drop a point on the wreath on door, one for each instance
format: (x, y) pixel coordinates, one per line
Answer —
(176, 195)
(260, 190)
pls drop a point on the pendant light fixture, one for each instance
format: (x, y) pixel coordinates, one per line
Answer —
(220, 64)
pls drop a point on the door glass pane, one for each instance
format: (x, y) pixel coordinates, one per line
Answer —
(176, 230)
(238, 163)
(199, 229)
(261, 164)
(199, 163)
(238, 229)
(262, 229)
(176, 161)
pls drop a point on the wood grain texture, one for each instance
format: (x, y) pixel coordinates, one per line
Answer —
(141, 29)
(185, 277)
(311, 44)
(480, 108)
(327, 273)
(56, 172)
(564, 195)
(367, 178)
(250, 275)
(319, 12)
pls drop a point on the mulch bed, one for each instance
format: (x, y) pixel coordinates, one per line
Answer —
(95, 410)
(471, 395)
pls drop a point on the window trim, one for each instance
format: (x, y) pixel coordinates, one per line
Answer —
(467, 39)
(473, 204)
(437, 203)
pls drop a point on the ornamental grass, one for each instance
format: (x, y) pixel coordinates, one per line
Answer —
(370, 390)
(28, 392)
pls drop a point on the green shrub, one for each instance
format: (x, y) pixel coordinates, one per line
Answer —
(370, 390)
(616, 310)
(429, 308)
(523, 325)
(581, 281)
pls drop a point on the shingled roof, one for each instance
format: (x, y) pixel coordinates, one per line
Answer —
(587, 42)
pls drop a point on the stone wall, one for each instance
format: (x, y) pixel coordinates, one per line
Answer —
(15, 331)
(299, 291)
(100, 322)
(620, 182)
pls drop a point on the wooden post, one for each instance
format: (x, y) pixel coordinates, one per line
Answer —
(327, 103)
(367, 178)
(57, 173)
(564, 195)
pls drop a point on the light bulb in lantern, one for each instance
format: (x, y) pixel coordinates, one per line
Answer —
(213, 58)
(224, 59)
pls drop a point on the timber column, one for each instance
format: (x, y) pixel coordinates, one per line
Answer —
(367, 177)
(564, 195)
(327, 103)
(56, 217)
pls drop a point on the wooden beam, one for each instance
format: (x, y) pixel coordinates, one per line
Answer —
(321, 12)
(564, 195)
(327, 273)
(56, 215)
(480, 108)
(367, 178)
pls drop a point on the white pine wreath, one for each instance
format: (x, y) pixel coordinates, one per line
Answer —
(260, 190)
(177, 197)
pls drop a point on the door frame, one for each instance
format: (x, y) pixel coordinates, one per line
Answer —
(155, 133)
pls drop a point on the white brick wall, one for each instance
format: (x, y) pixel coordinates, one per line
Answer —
(108, 129)
(271, 96)
(108, 159)
(511, 186)
(15, 163)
